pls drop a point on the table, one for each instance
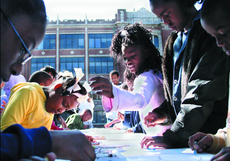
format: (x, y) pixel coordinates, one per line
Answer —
(127, 147)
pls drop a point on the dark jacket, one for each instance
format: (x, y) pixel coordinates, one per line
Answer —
(18, 142)
(204, 87)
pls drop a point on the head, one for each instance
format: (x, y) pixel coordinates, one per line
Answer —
(215, 19)
(41, 77)
(23, 24)
(133, 45)
(62, 96)
(114, 77)
(177, 14)
(50, 70)
(87, 115)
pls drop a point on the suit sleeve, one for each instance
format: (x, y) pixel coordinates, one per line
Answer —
(18, 142)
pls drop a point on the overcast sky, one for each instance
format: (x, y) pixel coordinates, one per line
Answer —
(94, 9)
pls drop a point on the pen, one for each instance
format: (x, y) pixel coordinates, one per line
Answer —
(97, 150)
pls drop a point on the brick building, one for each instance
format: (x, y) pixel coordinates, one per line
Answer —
(85, 44)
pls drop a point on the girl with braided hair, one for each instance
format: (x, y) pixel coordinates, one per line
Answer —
(142, 60)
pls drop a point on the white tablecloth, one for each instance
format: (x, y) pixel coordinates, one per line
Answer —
(127, 147)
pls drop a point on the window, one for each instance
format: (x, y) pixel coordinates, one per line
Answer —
(100, 40)
(49, 42)
(38, 63)
(72, 41)
(100, 65)
(70, 63)
(156, 41)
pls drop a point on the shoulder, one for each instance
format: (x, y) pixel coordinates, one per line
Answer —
(150, 75)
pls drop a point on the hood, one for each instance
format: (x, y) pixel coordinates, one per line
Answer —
(31, 86)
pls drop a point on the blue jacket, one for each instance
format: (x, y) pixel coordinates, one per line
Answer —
(132, 120)
(18, 142)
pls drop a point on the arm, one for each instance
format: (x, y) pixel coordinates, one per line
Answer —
(111, 123)
(18, 142)
(147, 89)
(205, 100)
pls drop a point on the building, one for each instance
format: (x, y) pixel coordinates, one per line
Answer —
(85, 44)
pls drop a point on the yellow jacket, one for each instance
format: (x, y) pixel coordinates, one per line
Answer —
(26, 106)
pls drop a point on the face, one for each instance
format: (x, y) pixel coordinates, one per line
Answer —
(57, 104)
(31, 33)
(48, 82)
(172, 15)
(115, 79)
(134, 57)
(86, 117)
(219, 27)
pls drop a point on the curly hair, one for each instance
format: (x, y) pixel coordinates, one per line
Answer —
(136, 34)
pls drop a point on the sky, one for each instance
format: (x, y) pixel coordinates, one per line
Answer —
(94, 9)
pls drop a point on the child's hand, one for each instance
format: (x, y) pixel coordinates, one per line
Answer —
(90, 138)
(49, 157)
(129, 130)
(3, 103)
(102, 86)
(153, 118)
(1, 110)
(204, 141)
(107, 125)
(120, 116)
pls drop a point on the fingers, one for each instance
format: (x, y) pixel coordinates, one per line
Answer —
(145, 141)
(98, 81)
(149, 120)
(223, 155)
(51, 156)
(195, 138)
(89, 153)
(90, 138)
(203, 141)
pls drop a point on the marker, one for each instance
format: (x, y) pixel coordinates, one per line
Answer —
(97, 150)
(195, 142)
(151, 148)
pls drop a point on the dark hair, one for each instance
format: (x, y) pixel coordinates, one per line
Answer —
(184, 3)
(210, 7)
(40, 77)
(136, 34)
(49, 69)
(88, 111)
(35, 9)
(114, 72)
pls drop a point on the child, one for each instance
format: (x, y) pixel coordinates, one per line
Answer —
(87, 104)
(195, 77)
(41, 77)
(33, 106)
(143, 73)
(75, 121)
(50, 70)
(114, 77)
(44, 79)
(215, 19)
